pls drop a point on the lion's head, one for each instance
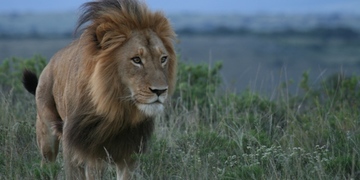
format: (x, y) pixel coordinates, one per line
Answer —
(144, 66)
(132, 56)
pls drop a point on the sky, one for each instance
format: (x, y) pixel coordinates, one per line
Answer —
(198, 6)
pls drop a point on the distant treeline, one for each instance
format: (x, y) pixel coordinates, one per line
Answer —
(321, 32)
(36, 35)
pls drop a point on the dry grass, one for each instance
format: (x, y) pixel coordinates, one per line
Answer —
(205, 134)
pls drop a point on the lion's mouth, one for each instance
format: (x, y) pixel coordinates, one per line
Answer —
(156, 102)
(148, 101)
(151, 109)
(150, 106)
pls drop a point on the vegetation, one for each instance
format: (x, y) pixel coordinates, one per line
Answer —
(11, 71)
(209, 134)
(315, 32)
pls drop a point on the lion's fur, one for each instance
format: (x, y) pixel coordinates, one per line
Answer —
(83, 94)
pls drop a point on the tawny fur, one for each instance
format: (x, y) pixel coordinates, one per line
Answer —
(91, 94)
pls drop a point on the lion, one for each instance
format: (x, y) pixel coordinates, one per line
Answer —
(100, 95)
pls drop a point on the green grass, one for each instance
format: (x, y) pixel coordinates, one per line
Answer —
(313, 135)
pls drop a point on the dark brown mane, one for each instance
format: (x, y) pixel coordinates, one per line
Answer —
(92, 10)
(118, 18)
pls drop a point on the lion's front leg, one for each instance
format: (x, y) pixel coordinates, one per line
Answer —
(94, 170)
(73, 171)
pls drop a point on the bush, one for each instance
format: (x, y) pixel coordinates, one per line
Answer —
(11, 72)
(197, 83)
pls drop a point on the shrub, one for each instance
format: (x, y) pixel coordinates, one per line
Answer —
(11, 71)
(197, 83)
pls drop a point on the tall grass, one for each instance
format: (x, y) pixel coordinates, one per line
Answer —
(214, 135)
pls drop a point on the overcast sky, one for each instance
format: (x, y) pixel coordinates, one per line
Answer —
(200, 6)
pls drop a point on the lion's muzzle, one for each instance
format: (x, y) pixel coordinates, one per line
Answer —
(151, 102)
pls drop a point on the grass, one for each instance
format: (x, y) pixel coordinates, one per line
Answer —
(314, 135)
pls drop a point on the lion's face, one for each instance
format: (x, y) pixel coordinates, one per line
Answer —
(144, 69)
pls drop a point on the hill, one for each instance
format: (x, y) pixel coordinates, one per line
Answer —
(62, 24)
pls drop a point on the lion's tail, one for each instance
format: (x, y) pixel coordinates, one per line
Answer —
(30, 81)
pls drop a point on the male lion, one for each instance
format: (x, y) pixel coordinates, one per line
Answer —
(100, 94)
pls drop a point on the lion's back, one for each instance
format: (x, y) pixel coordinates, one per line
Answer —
(58, 80)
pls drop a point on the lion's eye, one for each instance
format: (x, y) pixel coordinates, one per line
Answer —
(163, 59)
(136, 60)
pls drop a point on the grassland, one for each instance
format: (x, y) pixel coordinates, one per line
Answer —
(207, 133)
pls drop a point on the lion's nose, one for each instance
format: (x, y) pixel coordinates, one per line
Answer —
(158, 92)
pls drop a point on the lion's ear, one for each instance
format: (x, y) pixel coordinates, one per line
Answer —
(106, 36)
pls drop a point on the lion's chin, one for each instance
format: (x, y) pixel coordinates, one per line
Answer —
(151, 110)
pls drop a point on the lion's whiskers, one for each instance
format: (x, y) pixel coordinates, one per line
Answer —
(126, 98)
